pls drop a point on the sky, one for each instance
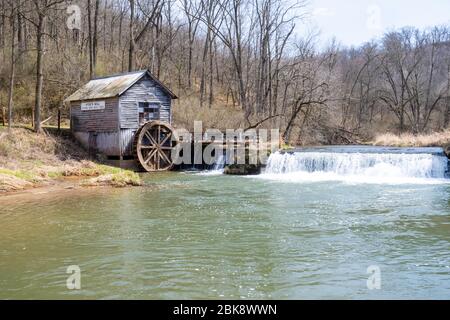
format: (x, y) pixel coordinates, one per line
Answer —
(353, 22)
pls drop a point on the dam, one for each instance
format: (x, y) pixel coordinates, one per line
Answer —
(364, 162)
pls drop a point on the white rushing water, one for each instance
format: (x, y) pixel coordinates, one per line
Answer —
(369, 167)
(217, 167)
(220, 162)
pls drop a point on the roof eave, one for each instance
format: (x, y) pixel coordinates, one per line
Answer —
(79, 100)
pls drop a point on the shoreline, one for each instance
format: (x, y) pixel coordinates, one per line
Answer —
(83, 173)
(60, 190)
(66, 183)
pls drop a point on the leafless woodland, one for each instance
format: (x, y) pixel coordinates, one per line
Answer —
(233, 63)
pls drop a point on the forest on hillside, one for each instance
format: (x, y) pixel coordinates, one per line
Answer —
(233, 64)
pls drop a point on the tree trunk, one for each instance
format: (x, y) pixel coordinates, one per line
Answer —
(90, 44)
(447, 101)
(104, 25)
(95, 37)
(2, 24)
(402, 118)
(211, 74)
(120, 30)
(203, 76)
(20, 39)
(190, 58)
(131, 35)
(39, 75)
(238, 61)
(13, 69)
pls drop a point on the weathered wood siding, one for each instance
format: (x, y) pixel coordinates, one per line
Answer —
(106, 120)
(145, 90)
(126, 141)
(109, 143)
(105, 142)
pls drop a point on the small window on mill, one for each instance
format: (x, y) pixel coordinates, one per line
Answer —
(148, 111)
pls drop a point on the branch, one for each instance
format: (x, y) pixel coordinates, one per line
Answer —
(150, 18)
(256, 125)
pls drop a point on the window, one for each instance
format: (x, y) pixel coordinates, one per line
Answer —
(148, 111)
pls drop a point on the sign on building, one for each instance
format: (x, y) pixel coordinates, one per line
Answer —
(93, 105)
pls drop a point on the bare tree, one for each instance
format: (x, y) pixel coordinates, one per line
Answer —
(12, 74)
(150, 14)
(309, 87)
(192, 10)
(42, 9)
(95, 35)
(90, 40)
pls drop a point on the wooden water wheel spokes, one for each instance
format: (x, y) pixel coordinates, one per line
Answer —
(153, 146)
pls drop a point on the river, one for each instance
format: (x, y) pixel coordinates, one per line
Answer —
(281, 235)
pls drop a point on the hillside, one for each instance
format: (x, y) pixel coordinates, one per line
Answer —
(28, 160)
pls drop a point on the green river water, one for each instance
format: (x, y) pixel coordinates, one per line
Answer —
(190, 235)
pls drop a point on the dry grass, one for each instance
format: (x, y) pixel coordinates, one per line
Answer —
(11, 183)
(20, 147)
(436, 139)
(121, 179)
(27, 159)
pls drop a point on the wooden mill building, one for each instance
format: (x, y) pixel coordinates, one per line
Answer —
(107, 113)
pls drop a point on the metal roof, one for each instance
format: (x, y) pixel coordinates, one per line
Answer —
(112, 86)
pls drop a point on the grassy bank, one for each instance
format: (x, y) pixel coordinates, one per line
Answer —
(28, 159)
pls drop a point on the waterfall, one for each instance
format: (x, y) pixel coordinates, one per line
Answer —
(219, 164)
(217, 167)
(367, 164)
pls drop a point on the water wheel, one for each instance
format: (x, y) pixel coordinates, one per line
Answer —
(153, 143)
